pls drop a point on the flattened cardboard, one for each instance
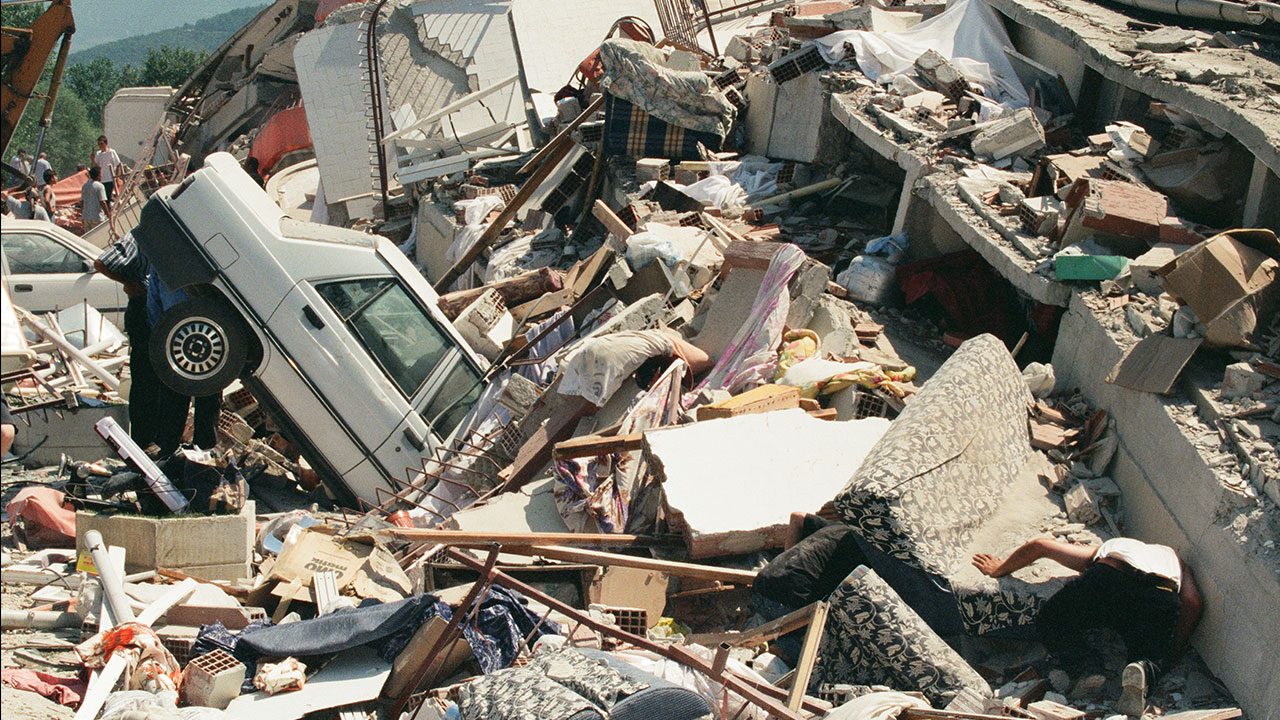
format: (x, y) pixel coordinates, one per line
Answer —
(1154, 364)
(1230, 281)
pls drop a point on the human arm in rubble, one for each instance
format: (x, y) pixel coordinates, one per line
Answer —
(1190, 611)
(1075, 557)
(697, 358)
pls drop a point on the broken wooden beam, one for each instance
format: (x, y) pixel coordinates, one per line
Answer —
(593, 445)
(491, 233)
(670, 567)
(765, 398)
(514, 291)
(808, 655)
(760, 634)
(562, 137)
(611, 221)
(474, 538)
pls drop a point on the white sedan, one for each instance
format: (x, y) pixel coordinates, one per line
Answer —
(47, 269)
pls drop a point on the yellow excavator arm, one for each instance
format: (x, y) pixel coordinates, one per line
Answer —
(23, 54)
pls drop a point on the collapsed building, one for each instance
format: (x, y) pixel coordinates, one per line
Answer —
(954, 275)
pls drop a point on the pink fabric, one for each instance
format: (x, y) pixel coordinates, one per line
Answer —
(750, 357)
(43, 514)
(64, 691)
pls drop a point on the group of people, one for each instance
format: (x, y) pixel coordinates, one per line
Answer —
(1142, 591)
(38, 202)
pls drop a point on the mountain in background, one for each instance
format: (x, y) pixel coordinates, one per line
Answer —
(207, 34)
(101, 21)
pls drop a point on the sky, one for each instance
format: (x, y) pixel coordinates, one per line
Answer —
(100, 21)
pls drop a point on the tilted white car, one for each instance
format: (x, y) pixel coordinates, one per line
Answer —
(333, 330)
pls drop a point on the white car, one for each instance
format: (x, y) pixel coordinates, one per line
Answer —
(334, 331)
(47, 269)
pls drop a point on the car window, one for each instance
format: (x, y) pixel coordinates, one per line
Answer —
(459, 391)
(32, 253)
(395, 330)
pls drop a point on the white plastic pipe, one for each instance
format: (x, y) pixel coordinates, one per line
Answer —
(1203, 9)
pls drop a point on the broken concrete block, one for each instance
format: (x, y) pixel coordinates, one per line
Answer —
(1176, 231)
(1143, 268)
(1049, 710)
(1039, 215)
(652, 169)
(926, 100)
(1016, 134)
(1241, 380)
(939, 74)
(1119, 209)
(1170, 39)
(1082, 505)
(740, 49)
(486, 324)
(684, 61)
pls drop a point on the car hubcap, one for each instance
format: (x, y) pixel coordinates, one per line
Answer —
(197, 348)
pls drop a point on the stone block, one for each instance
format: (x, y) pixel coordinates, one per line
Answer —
(1144, 267)
(652, 169)
(213, 547)
(1015, 134)
(1241, 380)
(1082, 505)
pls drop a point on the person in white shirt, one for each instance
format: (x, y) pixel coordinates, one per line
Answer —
(42, 166)
(20, 163)
(1142, 591)
(94, 207)
(108, 163)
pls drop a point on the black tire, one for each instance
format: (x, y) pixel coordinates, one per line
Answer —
(199, 346)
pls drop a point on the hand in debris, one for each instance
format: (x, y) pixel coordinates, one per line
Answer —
(987, 564)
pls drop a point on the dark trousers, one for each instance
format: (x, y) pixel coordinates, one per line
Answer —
(173, 408)
(1133, 604)
(144, 386)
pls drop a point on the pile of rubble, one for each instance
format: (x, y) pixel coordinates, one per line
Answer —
(720, 367)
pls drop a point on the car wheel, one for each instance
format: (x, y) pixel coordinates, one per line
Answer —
(199, 346)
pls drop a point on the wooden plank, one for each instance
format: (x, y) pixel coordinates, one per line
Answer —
(757, 400)
(535, 453)
(825, 414)
(611, 221)
(761, 633)
(562, 137)
(593, 445)
(526, 539)
(491, 233)
(808, 655)
(596, 557)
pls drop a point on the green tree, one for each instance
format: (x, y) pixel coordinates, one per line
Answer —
(94, 82)
(21, 15)
(70, 137)
(171, 65)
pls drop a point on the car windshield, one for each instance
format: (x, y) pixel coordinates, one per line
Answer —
(395, 329)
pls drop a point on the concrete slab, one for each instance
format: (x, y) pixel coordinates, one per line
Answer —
(725, 480)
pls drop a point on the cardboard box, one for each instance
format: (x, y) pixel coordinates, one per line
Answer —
(1230, 281)
(206, 547)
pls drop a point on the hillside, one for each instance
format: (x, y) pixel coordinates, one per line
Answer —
(207, 34)
(101, 21)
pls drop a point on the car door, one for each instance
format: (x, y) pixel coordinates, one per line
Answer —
(43, 274)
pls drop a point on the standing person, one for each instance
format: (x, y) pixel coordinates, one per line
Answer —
(20, 163)
(47, 198)
(172, 406)
(1142, 591)
(94, 205)
(42, 167)
(122, 262)
(108, 163)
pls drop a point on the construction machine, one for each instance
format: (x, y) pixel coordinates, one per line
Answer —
(23, 54)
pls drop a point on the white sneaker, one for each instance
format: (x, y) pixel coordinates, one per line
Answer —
(1133, 697)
